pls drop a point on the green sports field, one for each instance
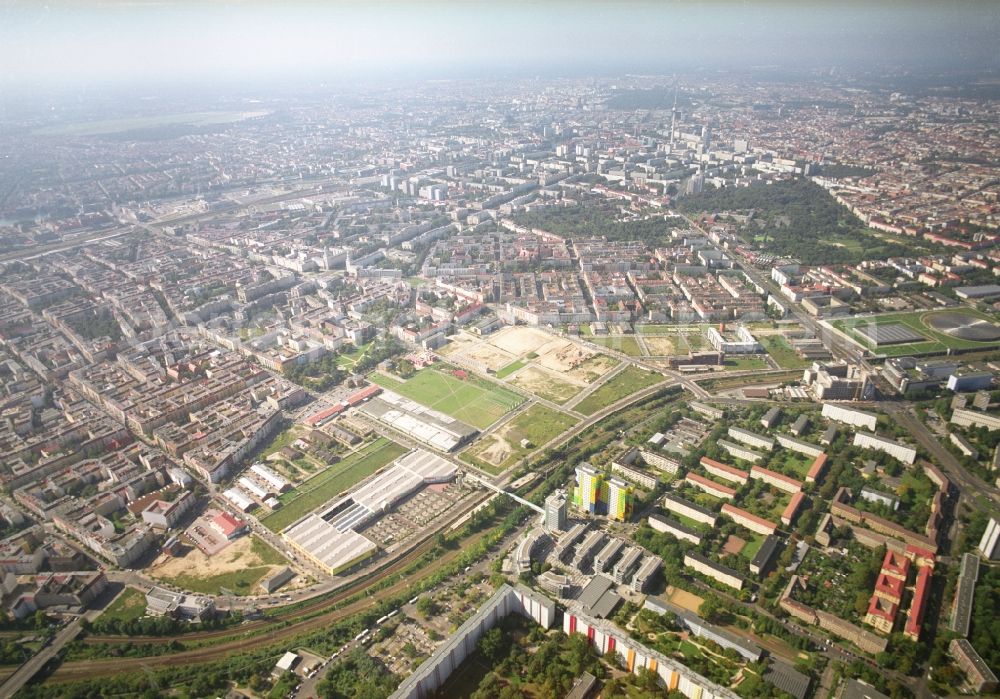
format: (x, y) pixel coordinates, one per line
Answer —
(935, 342)
(472, 400)
(506, 371)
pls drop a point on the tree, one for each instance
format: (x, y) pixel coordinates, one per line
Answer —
(494, 645)
(426, 607)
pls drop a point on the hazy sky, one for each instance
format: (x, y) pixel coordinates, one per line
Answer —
(83, 42)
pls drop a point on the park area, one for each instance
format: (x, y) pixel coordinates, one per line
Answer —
(625, 383)
(117, 126)
(234, 570)
(502, 448)
(455, 392)
(921, 332)
(326, 485)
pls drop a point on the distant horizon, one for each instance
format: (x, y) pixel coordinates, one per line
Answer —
(99, 45)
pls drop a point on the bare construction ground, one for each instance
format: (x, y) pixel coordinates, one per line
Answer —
(238, 556)
(546, 385)
(660, 346)
(493, 357)
(519, 340)
(592, 368)
(562, 355)
(457, 343)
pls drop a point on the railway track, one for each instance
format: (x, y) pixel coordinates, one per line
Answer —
(91, 669)
(278, 616)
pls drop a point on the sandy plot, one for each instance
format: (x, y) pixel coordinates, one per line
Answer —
(519, 340)
(458, 342)
(661, 346)
(545, 385)
(237, 556)
(562, 355)
(497, 450)
(593, 368)
(734, 545)
(683, 598)
(493, 357)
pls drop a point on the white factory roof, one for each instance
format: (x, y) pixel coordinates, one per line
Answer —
(321, 540)
(430, 467)
(429, 426)
(287, 661)
(269, 476)
(252, 487)
(406, 474)
(239, 498)
(333, 543)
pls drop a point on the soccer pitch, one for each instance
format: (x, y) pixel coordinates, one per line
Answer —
(471, 400)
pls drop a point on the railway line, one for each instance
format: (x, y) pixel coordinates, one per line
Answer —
(91, 669)
(279, 616)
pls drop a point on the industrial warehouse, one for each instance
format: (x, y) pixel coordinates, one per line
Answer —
(329, 537)
(430, 427)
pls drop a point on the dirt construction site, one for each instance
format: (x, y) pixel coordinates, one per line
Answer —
(237, 556)
(548, 365)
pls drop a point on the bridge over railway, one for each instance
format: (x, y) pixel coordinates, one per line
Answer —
(473, 477)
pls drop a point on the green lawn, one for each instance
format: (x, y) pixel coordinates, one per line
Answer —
(782, 352)
(111, 126)
(240, 582)
(326, 485)
(622, 343)
(266, 554)
(696, 341)
(282, 440)
(790, 463)
(770, 511)
(686, 521)
(754, 542)
(668, 328)
(690, 650)
(746, 363)
(129, 605)
(472, 400)
(537, 424)
(510, 369)
(625, 383)
(699, 497)
(915, 320)
(348, 360)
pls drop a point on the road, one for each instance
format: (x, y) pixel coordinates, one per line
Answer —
(13, 684)
(960, 476)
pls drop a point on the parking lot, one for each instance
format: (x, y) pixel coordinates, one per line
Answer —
(203, 535)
